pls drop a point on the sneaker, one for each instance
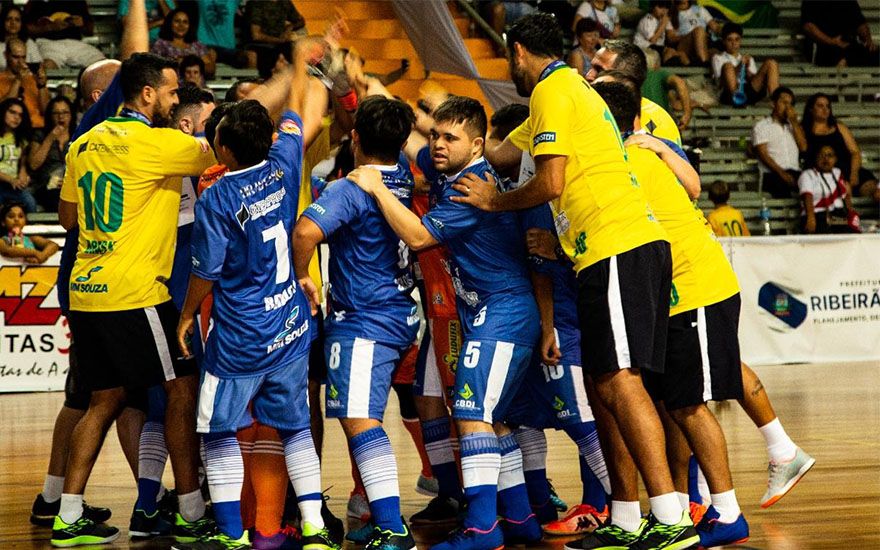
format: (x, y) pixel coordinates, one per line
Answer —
(527, 531)
(545, 513)
(362, 535)
(471, 538)
(192, 531)
(286, 539)
(668, 537)
(785, 475)
(216, 541)
(608, 536)
(714, 533)
(82, 531)
(317, 539)
(144, 526)
(389, 540)
(334, 524)
(580, 519)
(440, 511)
(428, 486)
(697, 511)
(560, 504)
(358, 507)
(43, 513)
(168, 505)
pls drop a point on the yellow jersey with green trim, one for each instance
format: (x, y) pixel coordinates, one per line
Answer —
(701, 274)
(658, 122)
(125, 178)
(314, 154)
(727, 221)
(602, 211)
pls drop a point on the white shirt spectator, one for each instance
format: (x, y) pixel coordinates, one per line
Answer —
(827, 189)
(693, 17)
(646, 29)
(33, 54)
(781, 145)
(608, 17)
(720, 59)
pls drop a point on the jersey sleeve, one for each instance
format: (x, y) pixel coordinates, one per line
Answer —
(760, 135)
(521, 135)
(448, 219)
(537, 217)
(287, 151)
(210, 238)
(550, 120)
(339, 204)
(180, 154)
(807, 184)
(68, 185)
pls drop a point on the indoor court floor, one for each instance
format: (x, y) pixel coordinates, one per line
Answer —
(831, 410)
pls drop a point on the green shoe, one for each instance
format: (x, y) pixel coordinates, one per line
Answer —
(317, 539)
(83, 531)
(217, 541)
(668, 537)
(609, 537)
(191, 531)
(389, 540)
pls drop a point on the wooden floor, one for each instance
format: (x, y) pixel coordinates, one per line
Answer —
(832, 411)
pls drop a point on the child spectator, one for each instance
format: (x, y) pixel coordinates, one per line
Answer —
(177, 39)
(12, 27)
(15, 244)
(742, 83)
(692, 24)
(603, 13)
(587, 33)
(651, 33)
(726, 221)
(827, 204)
(15, 130)
(46, 152)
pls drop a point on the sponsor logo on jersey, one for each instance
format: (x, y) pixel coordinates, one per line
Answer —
(558, 403)
(289, 127)
(451, 358)
(99, 247)
(544, 137)
(264, 206)
(466, 392)
(470, 298)
(317, 208)
(413, 317)
(280, 299)
(674, 298)
(81, 284)
(333, 392)
(289, 334)
(87, 276)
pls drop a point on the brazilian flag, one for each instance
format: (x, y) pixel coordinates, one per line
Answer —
(748, 13)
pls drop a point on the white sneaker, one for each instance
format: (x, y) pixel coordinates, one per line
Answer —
(428, 486)
(358, 507)
(785, 475)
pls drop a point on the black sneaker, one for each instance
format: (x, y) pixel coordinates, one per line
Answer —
(668, 537)
(168, 506)
(191, 531)
(43, 513)
(317, 539)
(83, 531)
(439, 511)
(145, 526)
(389, 540)
(609, 536)
(333, 524)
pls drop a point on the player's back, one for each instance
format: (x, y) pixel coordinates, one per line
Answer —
(727, 221)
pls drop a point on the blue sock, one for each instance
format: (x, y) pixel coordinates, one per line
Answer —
(225, 470)
(533, 444)
(512, 492)
(594, 493)
(152, 452)
(480, 464)
(378, 468)
(693, 481)
(436, 434)
(594, 474)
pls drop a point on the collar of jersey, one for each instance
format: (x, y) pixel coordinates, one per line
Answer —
(473, 163)
(130, 115)
(243, 170)
(552, 68)
(381, 167)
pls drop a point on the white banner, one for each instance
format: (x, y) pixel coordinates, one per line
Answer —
(808, 299)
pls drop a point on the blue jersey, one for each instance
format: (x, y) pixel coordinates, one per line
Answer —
(241, 241)
(370, 277)
(488, 260)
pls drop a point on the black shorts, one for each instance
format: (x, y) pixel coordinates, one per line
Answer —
(702, 357)
(130, 349)
(317, 361)
(77, 396)
(623, 306)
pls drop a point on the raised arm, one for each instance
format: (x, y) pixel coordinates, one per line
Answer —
(136, 32)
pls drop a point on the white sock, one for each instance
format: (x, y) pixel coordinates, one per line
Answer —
(533, 444)
(52, 487)
(626, 515)
(703, 486)
(71, 508)
(780, 447)
(304, 470)
(666, 508)
(684, 500)
(726, 505)
(192, 505)
(161, 493)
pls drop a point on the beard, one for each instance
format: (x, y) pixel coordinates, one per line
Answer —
(521, 81)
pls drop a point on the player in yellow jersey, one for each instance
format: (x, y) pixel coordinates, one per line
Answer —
(624, 269)
(726, 221)
(122, 188)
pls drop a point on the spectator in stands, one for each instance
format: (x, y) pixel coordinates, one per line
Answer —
(156, 12)
(651, 34)
(657, 85)
(778, 140)
(273, 25)
(46, 152)
(742, 83)
(58, 28)
(217, 31)
(840, 33)
(15, 132)
(726, 221)
(177, 39)
(603, 13)
(17, 81)
(822, 128)
(692, 24)
(192, 69)
(588, 39)
(827, 204)
(15, 244)
(13, 28)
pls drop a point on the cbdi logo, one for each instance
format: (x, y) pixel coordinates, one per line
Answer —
(782, 304)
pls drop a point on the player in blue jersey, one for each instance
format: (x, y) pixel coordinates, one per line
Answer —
(258, 348)
(372, 318)
(499, 315)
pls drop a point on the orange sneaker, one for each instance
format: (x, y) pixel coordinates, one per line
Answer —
(580, 519)
(697, 512)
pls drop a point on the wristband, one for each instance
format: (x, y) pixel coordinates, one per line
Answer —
(349, 101)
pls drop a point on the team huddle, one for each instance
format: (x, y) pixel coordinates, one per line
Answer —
(566, 279)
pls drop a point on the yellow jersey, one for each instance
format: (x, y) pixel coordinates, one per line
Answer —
(125, 178)
(602, 211)
(701, 274)
(727, 221)
(317, 151)
(658, 122)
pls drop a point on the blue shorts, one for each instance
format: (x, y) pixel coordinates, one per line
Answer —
(488, 377)
(359, 373)
(280, 399)
(551, 397)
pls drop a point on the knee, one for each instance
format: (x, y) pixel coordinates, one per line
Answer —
(685, 414)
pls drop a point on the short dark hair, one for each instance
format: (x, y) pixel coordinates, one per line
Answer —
(7, 206)
(463, 109)
(232, 92)
(623, 100)
(507, 118)
(214, 120)
(189, 61)
(165, 32)
(730, 28)
(719, 192)
(141, 70)
(782, 90)
(189, 97)
(247, 131)
(539, 33)
(383, 126)
(630, 59)
(585, 25)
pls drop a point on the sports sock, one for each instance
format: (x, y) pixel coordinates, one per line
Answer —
(586, 438)
(726, 505)
(512, 492)
(533, 444)
(593, 492)
(225, 470)
(780, 447)
(438, 445)
(52, 487)
(684, 500)
(246, 437)
(192, 505)
(152, 456)
(666, 508)
(703, 486)
(71, 508)
(693, 480)
(378, 468)
(413, 426)
(304, 470)
(480, 466)
(626, 514)
(268, 477)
